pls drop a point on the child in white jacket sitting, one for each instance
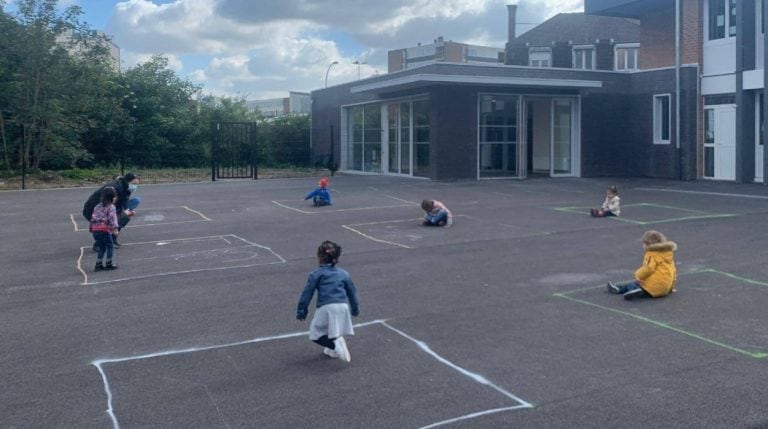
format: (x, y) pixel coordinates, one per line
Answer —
(611, 205)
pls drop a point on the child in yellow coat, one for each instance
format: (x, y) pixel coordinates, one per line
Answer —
(658, 274)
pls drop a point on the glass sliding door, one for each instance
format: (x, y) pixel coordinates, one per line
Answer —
(372, 138)
(562, 137)
(393, 119)
(498, 148)
(363, 146)
(421, 138)
(354, 159)
(405, 138)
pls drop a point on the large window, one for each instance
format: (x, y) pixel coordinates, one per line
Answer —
(421, 138)
(661, 119)
(540, 57)
(498, 135)
(584, 57)
(626, 56)
(364, 136)
(722, 17)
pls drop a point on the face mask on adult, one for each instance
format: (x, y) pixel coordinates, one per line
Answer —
(132, 187)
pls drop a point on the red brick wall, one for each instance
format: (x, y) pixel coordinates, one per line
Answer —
(657, 35)
(395, 60)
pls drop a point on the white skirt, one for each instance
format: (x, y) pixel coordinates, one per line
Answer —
(333, 320)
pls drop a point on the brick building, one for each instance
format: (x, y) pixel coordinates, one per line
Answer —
(635, 114)
(442, 50)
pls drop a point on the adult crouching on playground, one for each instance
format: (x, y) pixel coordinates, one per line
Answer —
(125, 206)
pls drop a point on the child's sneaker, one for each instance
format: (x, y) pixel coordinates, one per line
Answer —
(330, 353)
(612, 288)
(99, 267)
(110, 266)
(634, 294)
(341, 349)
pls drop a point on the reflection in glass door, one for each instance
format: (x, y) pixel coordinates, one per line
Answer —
(405, 138)
(498, 149)
(562, 136)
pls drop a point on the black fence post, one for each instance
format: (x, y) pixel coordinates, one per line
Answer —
(23, 164)
(214, 148)
(254, 150)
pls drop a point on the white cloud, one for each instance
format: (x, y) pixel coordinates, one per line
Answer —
(267, 47)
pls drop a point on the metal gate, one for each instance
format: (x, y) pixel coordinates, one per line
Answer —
(233, 154)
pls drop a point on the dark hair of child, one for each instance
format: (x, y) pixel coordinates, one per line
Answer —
(108, 196)
(427, 205)
(613, 189)
(329, 252)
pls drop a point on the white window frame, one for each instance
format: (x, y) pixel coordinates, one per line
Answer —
(579, 50)
(727, 23)
(657, 119)
(634, 47)
(548, 51)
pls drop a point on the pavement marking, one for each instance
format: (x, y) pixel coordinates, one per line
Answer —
(331, 210)
(198, 213)
(280, 260)
(80, 264)
(203, 217)
(522, 404)
(474, 376)
(378, 240)
(477, 414)
(752, 354)
(696, 214)
(719, 194)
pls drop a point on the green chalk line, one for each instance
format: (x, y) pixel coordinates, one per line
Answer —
(756, 355)
(701, 215)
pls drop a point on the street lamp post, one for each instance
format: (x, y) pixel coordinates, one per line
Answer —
(358, 68)
(328, 71)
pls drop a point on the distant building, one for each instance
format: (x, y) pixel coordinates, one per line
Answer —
(74, 47)
(440, 50)
(297, 103)
(578, 41)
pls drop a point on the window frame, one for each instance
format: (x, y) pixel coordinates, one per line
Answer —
(658, 123)
(579, 50)
(541, 50)
(727, 24)
(635, 47)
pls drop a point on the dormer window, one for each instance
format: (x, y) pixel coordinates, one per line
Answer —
(584, 57)
(540, 57)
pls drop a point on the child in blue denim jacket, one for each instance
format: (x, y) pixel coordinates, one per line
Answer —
(320, 195)
(336, 293)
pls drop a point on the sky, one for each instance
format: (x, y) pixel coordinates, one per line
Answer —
(260, 49)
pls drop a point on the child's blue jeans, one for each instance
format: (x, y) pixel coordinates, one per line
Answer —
(441, 216)
(104, 241)
(628, 286)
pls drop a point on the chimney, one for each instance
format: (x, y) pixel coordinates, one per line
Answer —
(512, 12)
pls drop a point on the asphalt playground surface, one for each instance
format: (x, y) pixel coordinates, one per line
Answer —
(502, 320)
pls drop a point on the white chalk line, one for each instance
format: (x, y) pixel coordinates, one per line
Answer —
(220, 346)
(477, 377)
(281, 260)
(474, 415)
(80, 264)
(198, 213)
(98, 363)
(382, 222)
(718, 194)
(108, 391)
(327, 210)
(402, 200)
(378, 240)
(204, 219)
(72, 218)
